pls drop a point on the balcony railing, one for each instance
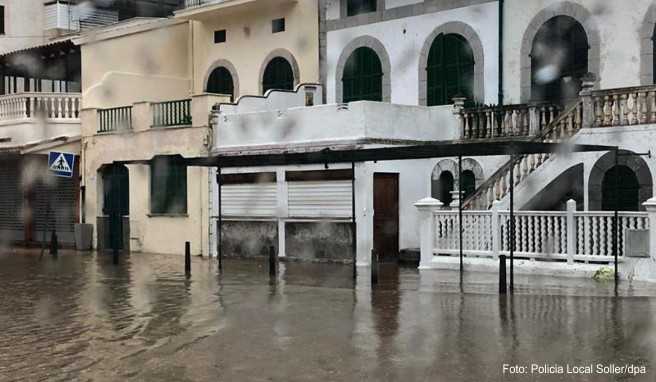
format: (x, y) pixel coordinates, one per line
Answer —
(506, 121)
(196, 3)
(115, 119)
(64, 106)
(172, 113)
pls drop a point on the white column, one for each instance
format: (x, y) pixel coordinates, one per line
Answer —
(571, 231)
(496, 229)
(650, 206)
(427, 208)
(283, 209)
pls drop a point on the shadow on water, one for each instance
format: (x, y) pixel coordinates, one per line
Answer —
(81, 317)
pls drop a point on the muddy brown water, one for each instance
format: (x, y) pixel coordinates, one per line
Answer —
(81, 318)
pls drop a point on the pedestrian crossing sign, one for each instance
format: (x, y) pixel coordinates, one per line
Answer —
(61, 164)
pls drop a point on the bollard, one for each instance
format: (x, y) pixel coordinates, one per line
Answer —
(272, 261)
(187, 258)
(374, 267)
(502, 274)
(54, 244)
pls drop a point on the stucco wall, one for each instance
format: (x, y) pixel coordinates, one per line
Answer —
(23, 24)
(250, 44)
(620, 28)
(140, 64)
(403, 40)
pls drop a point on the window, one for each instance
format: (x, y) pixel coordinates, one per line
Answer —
(446, 186)
(620, 187)
(356, 7)
(468, 183)
(219, 36)
(450, 70)
(278, 75)
(2, 19)
(168, 186)
(363, 76)
(278, 25)
(220, 82)
(559, 59)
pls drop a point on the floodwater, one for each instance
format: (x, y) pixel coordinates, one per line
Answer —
(79, 317)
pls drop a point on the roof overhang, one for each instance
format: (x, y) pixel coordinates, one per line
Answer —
(64, 143)
(212, 9)
(423, 151)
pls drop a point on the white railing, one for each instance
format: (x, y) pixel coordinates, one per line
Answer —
(540, 235)
(19, 106)
(506, 121)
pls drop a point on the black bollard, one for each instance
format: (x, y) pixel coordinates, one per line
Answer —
(187, 258)
(54, 244)
(272, 261)
(502, 274)
(374, 267)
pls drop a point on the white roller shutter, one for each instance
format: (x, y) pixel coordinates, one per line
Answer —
(320, 199)
(249, 200)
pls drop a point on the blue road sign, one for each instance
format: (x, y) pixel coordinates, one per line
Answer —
(61, 164)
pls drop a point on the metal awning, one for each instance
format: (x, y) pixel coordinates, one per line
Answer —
(424, 151)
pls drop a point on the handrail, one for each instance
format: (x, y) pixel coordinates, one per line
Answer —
(172, 113)
(115, 119)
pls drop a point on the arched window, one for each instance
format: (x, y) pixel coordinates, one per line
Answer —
(278, 75)
(363, 76)
(468, 183)
(620, 188)
(220, 82)
(446, 186)
(559, 58)
(450, 70)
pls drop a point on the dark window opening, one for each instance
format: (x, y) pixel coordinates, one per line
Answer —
(356, 7)
(620, 189)
(220, 82)
(559, 59)
(219, 36)
(116, 190)
(278, 75)
(278, 25)
(450, 70)
(2, 19)
(446, 186)
(248, 178)
(168, 186)
(363, 77)
(468, 183)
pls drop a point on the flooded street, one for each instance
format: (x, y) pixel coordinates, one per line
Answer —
(78, 317)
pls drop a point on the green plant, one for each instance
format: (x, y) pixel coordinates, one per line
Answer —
(604, 274)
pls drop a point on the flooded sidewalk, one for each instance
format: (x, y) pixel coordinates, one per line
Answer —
(79, 317)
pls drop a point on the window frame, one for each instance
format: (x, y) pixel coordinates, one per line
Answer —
(278, 25)
(360, 7)
(276, 84)
(177, 180)
(220, 33)
(362, 86)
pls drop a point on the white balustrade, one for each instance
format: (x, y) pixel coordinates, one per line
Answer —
(62, 106)
(566, 236)
(506, 121)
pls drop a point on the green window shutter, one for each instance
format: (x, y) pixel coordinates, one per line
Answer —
(278, 75)
(450, 70)
(168, 186)
(220, 82)
(363, 77)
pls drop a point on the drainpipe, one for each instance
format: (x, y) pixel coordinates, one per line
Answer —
(500, 99)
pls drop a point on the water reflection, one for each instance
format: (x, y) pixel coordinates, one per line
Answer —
(81, 317)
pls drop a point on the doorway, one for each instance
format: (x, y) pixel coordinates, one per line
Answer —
(116, 201)
(386, 216)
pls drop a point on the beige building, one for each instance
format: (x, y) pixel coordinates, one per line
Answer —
(148, 88)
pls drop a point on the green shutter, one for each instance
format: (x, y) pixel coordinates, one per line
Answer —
(278, 75)
(363, 77)
(220, 82)
(450, 70)
(168, 186)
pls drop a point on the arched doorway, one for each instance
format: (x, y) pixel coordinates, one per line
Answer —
(278, 75)
(220, 82)
(620, 190)
(468, 183)
(559, 59)
(116, 200)
(450, 70)
(446, 186)
(362, 79)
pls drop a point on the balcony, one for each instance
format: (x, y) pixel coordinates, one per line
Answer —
(206, 9)
(27, 118)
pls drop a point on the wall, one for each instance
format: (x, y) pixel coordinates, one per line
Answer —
(619, 27)
(403, 39)
(23, 25)
(135, 61)
(249, 42)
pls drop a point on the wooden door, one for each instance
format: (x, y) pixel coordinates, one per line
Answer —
(386, 216)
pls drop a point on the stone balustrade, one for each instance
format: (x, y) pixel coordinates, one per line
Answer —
(506, 121)
(20, 106)
(623, 107)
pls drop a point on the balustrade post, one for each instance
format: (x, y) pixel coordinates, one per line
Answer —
(427, 238)
(458, 106)
(571, 231)
(650, 206)
(533, 120)
(496, 229)
(587, 84)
